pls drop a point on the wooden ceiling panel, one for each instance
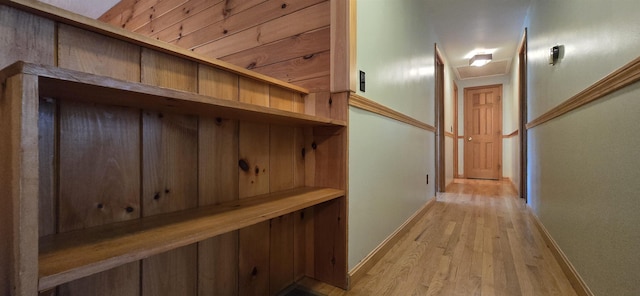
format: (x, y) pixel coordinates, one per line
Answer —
(285, 40)
(302, 45)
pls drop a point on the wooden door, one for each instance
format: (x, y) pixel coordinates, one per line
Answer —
(483, 132)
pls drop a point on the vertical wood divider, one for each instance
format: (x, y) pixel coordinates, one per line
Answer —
(330, 218)
(343, 45)
(170, 170)
(332, 154)
(218, 182)
(19, 182)
(118, 128)
(254, 150)
(282, 163)
(24, 37)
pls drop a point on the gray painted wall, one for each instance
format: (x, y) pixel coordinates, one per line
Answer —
(89, 8)
(584, 166)
(510, 123)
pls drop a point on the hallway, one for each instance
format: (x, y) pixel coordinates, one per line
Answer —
(477, 239)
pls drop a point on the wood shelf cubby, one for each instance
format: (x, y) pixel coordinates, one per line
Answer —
(64, 256)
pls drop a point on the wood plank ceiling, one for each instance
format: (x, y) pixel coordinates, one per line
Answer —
(286, 39)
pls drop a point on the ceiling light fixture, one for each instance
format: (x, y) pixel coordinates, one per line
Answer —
(480, 60)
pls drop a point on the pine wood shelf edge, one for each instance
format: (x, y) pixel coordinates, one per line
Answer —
(67, 84)
(69, 256)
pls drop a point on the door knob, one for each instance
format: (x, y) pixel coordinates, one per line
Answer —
(469, 139)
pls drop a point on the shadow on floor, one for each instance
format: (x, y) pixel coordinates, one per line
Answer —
(296, 290)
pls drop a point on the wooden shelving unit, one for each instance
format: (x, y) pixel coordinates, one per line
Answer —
(51, 260)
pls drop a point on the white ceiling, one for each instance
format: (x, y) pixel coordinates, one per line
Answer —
(466, 25)
(90, 8)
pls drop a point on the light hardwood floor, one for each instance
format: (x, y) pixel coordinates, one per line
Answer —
(476, 240)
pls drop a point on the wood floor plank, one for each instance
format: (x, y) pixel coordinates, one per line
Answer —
(511, 277)
(466, 284)
(476, 265)
(520, 266)
(439, 280)
(487, 264)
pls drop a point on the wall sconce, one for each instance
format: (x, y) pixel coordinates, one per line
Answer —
(480, 60)
(554, 54)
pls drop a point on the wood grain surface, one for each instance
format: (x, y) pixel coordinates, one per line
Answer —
(281, 257)
(112, 245)
(93, 53)
(169, 173)
(218, 182)
(19, 179)
(252, 34)
(254, 92)
(154, 134)
(47, 169)
(122, 280)
(26, 37)
(112, 134)
(108, 190)
(313, 18)
(63, 16)
(33, 35)
(297, 46)
(217, 83)
(67, 84)
(477, 239)
(254, 259)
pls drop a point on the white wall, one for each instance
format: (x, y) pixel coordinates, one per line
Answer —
(584, 166)
(448, 160)
(389, 160)
(89, 8)
(448, 122)
(510, 124)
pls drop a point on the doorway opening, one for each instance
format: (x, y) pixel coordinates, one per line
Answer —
(522, 103)
(456, 171)
(439, 117)
(483, 132)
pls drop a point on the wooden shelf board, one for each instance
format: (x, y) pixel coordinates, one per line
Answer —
(68, 256)
(66, 84)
